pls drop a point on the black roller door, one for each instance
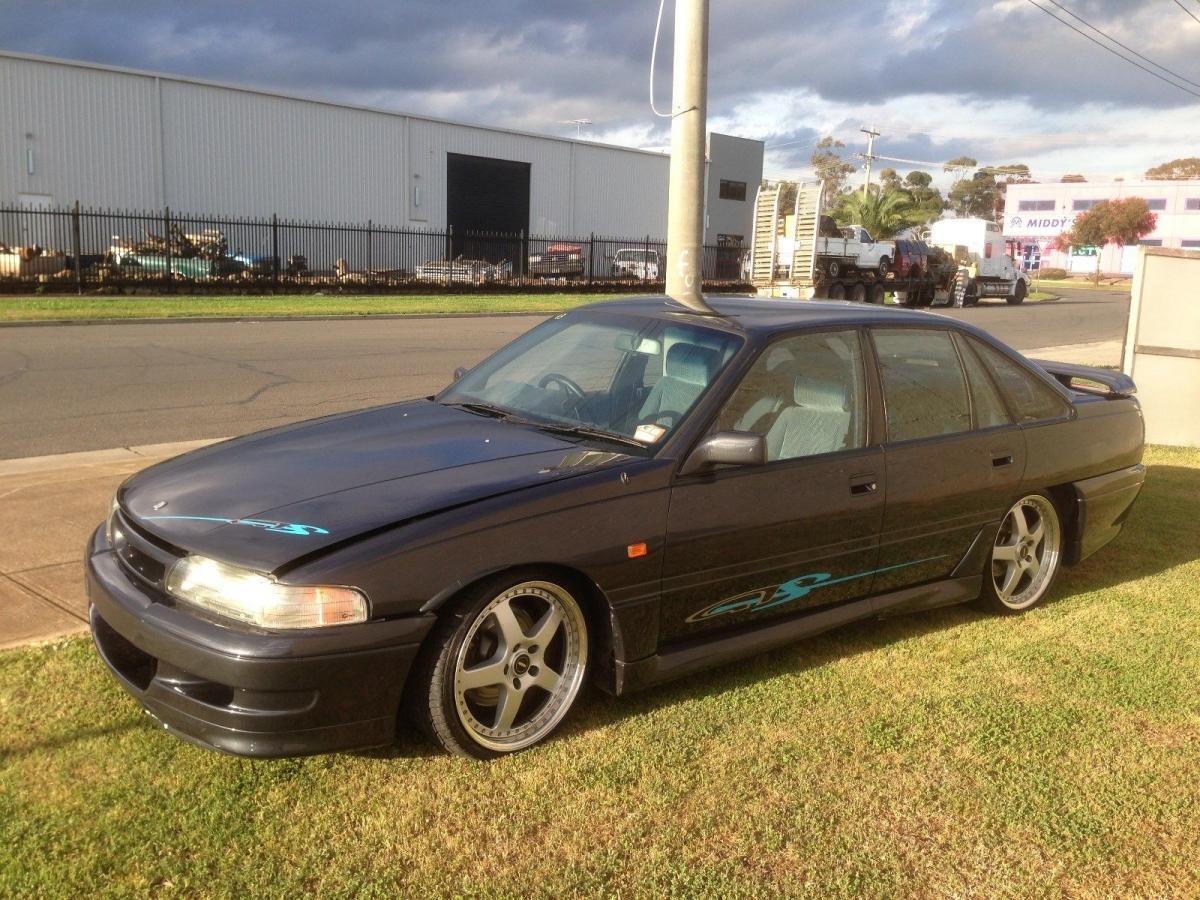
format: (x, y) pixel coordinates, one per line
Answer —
(487, 204)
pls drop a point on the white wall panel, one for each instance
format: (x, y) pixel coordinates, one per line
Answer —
(93, 135)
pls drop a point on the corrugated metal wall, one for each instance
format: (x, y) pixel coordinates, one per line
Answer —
(92, 134)
(128, 139)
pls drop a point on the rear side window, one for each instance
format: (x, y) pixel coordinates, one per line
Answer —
(924, 389)
(1030, 398)
(985, 399)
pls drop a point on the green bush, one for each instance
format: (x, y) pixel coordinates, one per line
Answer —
(1053, 274)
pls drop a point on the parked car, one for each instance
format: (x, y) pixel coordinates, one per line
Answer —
(912, 260)
(628, 493)
(557, 261)
(632, 262)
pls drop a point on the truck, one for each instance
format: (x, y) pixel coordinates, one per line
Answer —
(797, 251)
(851, 248)
(635, 262)
(986, 269)
(560, 260)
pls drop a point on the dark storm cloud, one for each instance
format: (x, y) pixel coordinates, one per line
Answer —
(532, 64)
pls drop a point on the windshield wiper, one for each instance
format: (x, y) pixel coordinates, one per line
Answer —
(585, 431)
(483, 409)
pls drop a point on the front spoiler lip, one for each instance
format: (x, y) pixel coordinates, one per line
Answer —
(316, 692)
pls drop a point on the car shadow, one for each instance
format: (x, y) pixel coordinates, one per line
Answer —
(1163, 531)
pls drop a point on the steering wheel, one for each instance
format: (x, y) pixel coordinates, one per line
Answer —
(572, 392)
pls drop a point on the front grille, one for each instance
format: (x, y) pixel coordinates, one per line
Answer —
(142, 555)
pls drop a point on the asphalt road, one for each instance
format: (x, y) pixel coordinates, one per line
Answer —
(66, 388)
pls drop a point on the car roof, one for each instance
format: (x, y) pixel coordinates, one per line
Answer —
(760, 317)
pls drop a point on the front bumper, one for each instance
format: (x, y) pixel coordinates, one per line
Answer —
(250, 693)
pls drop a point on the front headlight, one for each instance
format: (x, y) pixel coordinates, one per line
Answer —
(259, 600)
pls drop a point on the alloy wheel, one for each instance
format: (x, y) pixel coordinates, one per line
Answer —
(1027, 552)
(520, 666)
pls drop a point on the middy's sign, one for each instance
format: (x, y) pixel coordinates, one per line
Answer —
(1035, 226)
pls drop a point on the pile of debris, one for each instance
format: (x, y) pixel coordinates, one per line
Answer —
(208, 244)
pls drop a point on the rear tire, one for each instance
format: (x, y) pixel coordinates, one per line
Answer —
(1026, 556)
(876, 296)
(885, 266)
(503, 667)
(836, 291)
(858, 293)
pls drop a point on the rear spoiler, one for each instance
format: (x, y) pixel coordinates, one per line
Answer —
(1088, 379)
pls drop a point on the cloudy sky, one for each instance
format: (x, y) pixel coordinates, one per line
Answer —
(1001, 82)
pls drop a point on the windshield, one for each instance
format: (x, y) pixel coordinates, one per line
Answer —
(628, 377)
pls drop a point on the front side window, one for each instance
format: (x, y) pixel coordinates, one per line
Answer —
(924, 391)
(1030, 397)
(626, 375)
(805, 394)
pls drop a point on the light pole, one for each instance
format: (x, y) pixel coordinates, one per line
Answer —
(685, 201)
(871, 134)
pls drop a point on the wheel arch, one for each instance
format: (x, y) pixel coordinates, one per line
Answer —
(607, 637)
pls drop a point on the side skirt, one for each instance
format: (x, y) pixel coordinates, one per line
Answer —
(694, 656)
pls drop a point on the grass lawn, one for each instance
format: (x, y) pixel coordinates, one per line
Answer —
(947, 753)
(1041, 295)
(1083, 285)
(70, 306)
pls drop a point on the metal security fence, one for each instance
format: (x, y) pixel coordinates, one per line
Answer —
(86, 249)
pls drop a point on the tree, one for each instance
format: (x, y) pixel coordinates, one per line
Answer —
(1176, 169)
(974, 197)
(982, 195)
(883, 214)
(927, 199)
(1118, 222)
(831, 169)
(1072, 179)
(959, 167)
(889, 180)
(1013, 173)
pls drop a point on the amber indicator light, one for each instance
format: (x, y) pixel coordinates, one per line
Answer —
(636, 550)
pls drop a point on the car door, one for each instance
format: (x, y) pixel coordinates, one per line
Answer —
(954, 456)
(745, 544)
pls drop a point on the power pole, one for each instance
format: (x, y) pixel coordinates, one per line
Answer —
(869, 156)
(685, 201)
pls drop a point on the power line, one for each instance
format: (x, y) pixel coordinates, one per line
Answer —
(1188, 11)
(1112, 51)
(1109, 37)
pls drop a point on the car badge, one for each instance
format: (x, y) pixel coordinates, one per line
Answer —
(159, 505)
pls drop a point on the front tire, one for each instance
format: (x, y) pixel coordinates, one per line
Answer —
(1019, 293)
(503, 669)
(1026, 556)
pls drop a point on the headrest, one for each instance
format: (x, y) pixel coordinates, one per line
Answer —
(818, 393)
(691, 363)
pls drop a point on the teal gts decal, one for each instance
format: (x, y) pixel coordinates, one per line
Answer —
(790, 591)
(264, 524)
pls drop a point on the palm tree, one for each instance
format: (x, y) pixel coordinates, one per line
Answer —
(884, 215)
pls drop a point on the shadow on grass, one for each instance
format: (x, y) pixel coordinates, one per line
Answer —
(8, 754)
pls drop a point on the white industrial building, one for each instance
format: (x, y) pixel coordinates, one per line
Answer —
(1035, 214)
(109, 137)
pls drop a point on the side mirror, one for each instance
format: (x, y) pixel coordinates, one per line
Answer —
(727, 448)
(460, 372)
